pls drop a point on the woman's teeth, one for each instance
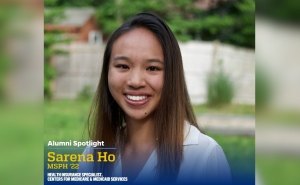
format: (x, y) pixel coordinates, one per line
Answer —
(136, 98)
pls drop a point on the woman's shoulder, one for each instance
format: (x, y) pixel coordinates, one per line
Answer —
(203, 158)
(201, 147)
(192, 136)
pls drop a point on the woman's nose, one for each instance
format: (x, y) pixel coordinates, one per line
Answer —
(136, 79)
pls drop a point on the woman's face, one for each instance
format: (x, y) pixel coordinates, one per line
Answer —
(136, 73)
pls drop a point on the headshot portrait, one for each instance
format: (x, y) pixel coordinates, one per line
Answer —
(142, 108)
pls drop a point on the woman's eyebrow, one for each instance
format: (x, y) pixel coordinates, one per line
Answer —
(155, 60)
(128, 59)
(121, 58)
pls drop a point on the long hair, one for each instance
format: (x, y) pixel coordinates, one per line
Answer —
(106, 117)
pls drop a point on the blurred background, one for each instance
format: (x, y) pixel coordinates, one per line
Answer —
(21, 92)
(227, 82)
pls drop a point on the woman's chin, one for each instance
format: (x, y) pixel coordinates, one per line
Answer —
(137, 116)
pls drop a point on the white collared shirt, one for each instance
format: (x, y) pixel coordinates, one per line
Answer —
(203, 161)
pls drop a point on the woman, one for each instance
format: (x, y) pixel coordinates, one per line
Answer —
(142, 108)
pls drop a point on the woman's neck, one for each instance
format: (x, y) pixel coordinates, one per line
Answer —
(140, 134)
(138, 148)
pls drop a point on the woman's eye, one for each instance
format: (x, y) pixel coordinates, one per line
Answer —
(152, 68)
(122, 67)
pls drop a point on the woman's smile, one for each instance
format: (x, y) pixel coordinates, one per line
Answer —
(137, 100)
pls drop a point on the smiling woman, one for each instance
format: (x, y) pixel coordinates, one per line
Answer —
(142, 108)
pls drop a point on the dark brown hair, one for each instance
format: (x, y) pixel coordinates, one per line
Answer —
(106, 117)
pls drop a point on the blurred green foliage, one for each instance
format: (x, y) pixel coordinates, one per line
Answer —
(220, 89)
(87, 93)
(225, 109)
(240, 154)
(21, 144)
(6, 17)
(65, 119)
(277, 170)
(49, 75)
(231, 22)
(4, 67)
(284, 117)
(50, 39)
(287, 11)
(73, 3)
(262, 87)
(20, 128)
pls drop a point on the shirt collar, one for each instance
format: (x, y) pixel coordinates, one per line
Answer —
(191, 134)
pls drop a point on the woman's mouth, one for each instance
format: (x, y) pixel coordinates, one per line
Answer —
(137, 100)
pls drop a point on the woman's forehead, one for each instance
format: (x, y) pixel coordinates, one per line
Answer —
(139, 42)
